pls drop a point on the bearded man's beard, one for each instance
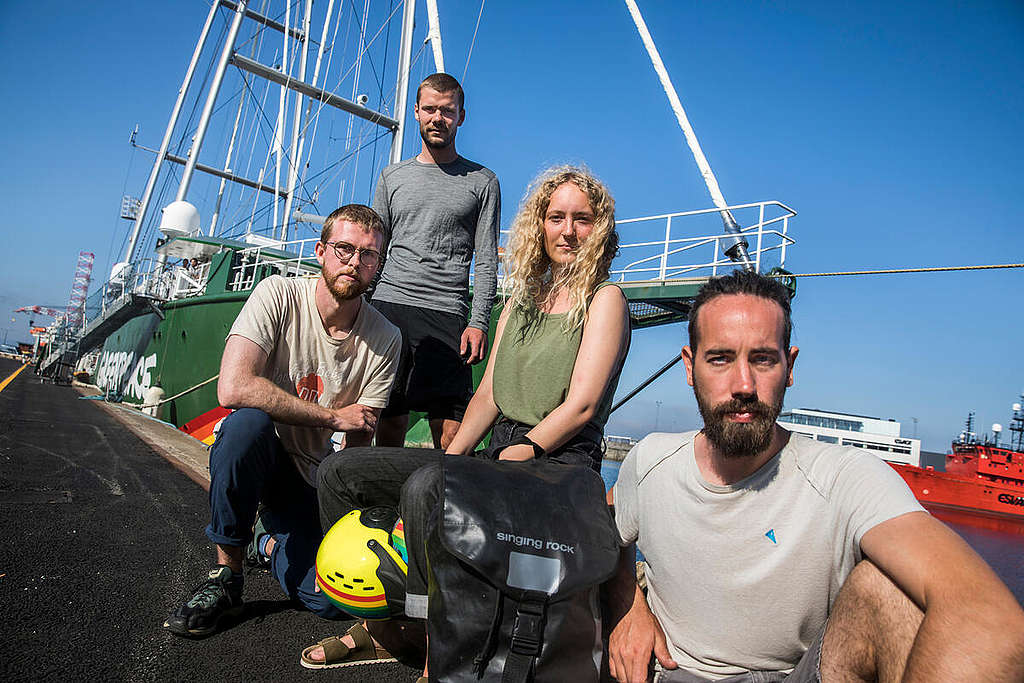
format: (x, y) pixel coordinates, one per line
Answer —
(739, 439)
(434, 144)
(343, 290)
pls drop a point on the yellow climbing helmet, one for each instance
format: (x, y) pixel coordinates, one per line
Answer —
(358, 566)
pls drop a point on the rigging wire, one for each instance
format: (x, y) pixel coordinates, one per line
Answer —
(384, 25)
(371, 176)
(312, 119)
(893, 271)
(355, 92)
(380, 133)
(187, 128)
(244, 99)
(348, 35)
(147, 234)
(305, 191)
(231, 231)
(254, 124)
(465, 69)
(369, 57)
(124, 190)
(257, 127)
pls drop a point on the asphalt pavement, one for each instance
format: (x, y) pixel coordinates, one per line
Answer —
(101, 538)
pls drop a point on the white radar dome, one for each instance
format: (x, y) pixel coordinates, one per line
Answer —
(120, 271)
(1016, 406)
(179, 218)
(996, 427)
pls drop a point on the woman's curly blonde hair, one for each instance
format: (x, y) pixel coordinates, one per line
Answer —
(528, 278)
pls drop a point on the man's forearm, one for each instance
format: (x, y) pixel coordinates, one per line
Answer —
(996, 653)
(485, 276)
(261, 393)
(485, 285)
(622, 590)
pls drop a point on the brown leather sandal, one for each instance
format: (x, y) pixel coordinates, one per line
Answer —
(338, 654)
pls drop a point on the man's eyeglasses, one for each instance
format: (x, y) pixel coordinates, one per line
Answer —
(343, 250)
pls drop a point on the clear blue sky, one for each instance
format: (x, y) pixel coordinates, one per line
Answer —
(894, 129)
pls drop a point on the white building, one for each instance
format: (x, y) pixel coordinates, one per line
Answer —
(881, 437)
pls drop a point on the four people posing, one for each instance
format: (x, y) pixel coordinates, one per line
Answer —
(768, 557)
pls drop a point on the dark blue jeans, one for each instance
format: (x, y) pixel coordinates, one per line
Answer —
(248, 465)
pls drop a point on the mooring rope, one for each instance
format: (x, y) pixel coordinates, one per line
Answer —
(178, 395)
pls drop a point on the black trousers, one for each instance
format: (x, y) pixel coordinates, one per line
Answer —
(409, 479)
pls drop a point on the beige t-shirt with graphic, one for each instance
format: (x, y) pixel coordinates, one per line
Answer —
(281, 317)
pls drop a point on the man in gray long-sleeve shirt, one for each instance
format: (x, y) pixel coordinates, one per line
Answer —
(440, 210)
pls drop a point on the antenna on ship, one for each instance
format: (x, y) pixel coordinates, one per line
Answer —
(1017, 427)
(967, 436)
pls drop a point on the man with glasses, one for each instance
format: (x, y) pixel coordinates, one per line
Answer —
(304, 359)
(440, 210)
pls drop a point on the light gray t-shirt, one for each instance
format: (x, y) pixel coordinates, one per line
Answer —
(439, 216)
(742, 577)
(281, 317)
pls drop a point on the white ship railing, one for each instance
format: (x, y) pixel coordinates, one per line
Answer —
(670, 255)
(658, 249)
(294, 258)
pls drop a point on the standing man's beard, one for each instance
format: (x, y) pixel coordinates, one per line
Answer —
(433, 144)
(343, 290)
(738, 439)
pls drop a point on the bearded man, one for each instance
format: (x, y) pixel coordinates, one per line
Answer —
(304, 359)
(441, 212)
(773, 557)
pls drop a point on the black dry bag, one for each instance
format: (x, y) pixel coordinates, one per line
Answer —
(513, 592)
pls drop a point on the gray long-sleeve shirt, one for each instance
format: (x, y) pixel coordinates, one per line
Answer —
(438, 216)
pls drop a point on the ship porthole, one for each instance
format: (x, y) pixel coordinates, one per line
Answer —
(925, 492)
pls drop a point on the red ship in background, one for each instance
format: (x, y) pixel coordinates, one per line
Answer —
(982, 479)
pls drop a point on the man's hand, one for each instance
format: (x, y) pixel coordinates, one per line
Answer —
(354, 418)
(517, 453)
(473, 346)
(632, 641)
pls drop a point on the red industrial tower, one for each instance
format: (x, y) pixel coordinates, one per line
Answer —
(79, 289)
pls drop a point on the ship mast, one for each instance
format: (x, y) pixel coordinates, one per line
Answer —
(737, 249)
(1017, 426)
(311, 92)
(402, 86)
(967, 436)
(165, 144)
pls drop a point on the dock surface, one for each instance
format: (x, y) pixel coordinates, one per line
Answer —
(103, 538)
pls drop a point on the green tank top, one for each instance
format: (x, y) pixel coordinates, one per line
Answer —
(533, 367)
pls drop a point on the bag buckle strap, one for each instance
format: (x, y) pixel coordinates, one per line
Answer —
(528, 628)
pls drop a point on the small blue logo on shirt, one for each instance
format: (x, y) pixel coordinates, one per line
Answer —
(771, 536)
